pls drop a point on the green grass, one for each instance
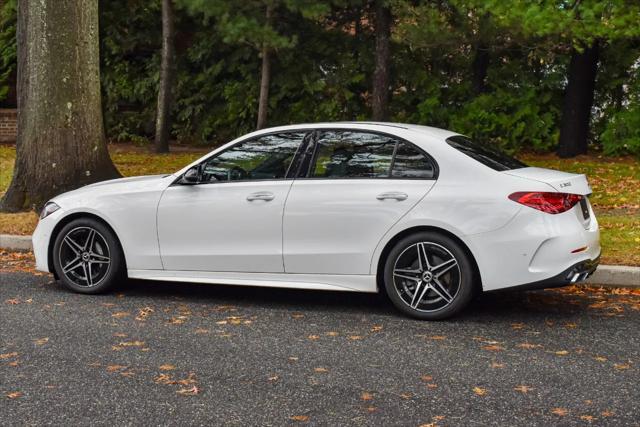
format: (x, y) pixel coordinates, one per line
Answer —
(615, 183)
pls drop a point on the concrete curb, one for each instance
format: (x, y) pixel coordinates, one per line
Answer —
(605, 275)
(15, 243)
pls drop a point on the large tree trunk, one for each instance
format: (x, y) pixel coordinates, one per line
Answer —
(479, 69)
(380, 95)
(265, 78)
(60, 143)
(167, 71)
(578, 100)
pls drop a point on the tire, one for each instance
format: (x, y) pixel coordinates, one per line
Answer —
(447, 272)
(87, 257)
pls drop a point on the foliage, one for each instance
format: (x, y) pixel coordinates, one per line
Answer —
(323, 62)
(7, 44)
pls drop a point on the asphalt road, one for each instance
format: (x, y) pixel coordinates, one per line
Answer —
(169, 354)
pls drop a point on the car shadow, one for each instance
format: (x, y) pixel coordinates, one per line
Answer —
(503, 305)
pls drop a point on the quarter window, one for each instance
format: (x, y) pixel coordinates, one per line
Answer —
(410, 162)
(263, 158)
(346, 154)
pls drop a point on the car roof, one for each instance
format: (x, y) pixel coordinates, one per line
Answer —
(365, 125)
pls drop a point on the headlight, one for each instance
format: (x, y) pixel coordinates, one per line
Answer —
(48, 209)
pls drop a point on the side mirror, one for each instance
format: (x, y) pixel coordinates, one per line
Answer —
(191, 176)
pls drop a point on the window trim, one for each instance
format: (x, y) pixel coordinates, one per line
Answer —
(318, 131)
(287, 176)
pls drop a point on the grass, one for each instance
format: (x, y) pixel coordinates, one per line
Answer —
(615, 183)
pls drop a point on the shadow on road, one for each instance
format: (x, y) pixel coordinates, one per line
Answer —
(504, 305)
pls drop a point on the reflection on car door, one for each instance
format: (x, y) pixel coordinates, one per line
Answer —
(232, 221)
(357, 186)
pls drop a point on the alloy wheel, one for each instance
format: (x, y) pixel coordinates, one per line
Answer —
(426, 276)
(84, 256)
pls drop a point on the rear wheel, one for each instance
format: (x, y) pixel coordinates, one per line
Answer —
(429, 276)
(87, 256)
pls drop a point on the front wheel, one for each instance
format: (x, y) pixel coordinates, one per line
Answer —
(87, 256)
(429, 276)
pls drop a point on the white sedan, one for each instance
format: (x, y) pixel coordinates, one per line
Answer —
(423, 214)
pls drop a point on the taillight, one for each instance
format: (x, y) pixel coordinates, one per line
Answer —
(553, 203)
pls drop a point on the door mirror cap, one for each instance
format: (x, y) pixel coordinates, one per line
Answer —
(191, 176)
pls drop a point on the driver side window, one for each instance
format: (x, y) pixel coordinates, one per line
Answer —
(263, 158)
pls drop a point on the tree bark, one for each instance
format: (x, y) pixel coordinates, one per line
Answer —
(578, 100)
(265, 77)
(60, 144)
(167, 77)
(479, 68)
(380, 95)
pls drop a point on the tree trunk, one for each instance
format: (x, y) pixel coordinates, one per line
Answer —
(265, 78)
(479, 69)
(578, 100)
(167, 71)
(60, 144)
(380, 95)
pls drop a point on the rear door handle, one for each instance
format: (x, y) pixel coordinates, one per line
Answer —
(261, 195)
(396, 195)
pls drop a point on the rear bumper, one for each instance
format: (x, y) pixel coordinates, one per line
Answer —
(577, 273)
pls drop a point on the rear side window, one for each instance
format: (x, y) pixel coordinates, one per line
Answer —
(486, 154)
(342, 154)
(355, 154)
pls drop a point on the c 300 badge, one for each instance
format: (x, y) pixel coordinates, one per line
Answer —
(565, 184)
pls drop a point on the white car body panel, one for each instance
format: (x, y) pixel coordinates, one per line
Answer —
(213, 227)
(322, 282)
(331, 234)
(332, 226)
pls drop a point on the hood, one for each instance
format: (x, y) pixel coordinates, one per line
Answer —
(563, 182)
(131, 179)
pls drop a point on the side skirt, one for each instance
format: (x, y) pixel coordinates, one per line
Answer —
(327, 282)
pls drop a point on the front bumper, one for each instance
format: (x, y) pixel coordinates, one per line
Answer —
(41, 239)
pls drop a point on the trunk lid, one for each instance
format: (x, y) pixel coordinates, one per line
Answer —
(562, 182)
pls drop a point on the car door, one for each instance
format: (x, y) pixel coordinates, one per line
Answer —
(232, 219)
(357, 185)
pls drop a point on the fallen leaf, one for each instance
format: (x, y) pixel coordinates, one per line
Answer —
(493, 348)
(12, 301)
(366, 396)
(14, 395)
(114, 368)
(621, 366)
(313, 337)
(41, 341)
(120, 314)
(167, 367)
(8, 355)
(426, 378)
(523, 389)
(321, 370)
(355, 337)
(600, 359)
(495, 365)
(299, 418)
(562, 353)
(479, 391)
(559, 411)
(131, 343)
(527, 345)
(371, 408)
(606, 413)
(201, 331)
(587, 417)
(119, 335)
(437, 337)
(189, 391)
(143, 313)
(376, 328)
(273, 378)
(297, 315)
(517, 326)
(332, 334)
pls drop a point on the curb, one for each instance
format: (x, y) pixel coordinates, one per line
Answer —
(15, 243)
(605, 275)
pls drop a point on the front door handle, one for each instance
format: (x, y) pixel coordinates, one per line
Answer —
(396, 195)
(261, 195)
